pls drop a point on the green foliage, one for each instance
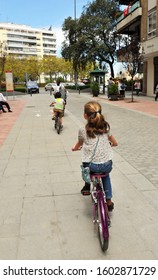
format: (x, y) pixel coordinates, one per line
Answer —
(92, 37)
(94, 88)
(20, 89)
(130, 52)
(113, 89)
(60, 79)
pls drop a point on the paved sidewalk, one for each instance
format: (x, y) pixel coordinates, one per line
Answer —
(142, 104)
(7, 120)
(42, 213)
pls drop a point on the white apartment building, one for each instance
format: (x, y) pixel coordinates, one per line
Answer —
(23, 40)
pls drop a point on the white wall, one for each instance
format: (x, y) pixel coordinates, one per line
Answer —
(150, 77)
(151, 4)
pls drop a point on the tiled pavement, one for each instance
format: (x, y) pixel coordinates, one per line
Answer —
(43, 215)
(144, 153)
(142, 104)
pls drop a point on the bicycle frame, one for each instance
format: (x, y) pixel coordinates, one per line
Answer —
(100, 210)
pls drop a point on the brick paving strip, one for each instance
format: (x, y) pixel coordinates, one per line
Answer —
(145, 106)
(7, 120)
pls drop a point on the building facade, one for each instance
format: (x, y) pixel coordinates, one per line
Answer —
(141, 18)
(23, 41)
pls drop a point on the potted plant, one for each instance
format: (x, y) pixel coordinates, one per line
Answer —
(113, 92)
(95, 88)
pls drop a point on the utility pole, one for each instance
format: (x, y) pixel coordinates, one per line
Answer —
(75, 10)
(75, 67)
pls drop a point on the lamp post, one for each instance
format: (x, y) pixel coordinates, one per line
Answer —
(75, 10)
(75, 68)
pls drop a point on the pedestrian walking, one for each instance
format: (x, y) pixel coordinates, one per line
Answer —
(137, 86)
(121, 88)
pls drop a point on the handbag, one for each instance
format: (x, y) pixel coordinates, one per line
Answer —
(85, 171)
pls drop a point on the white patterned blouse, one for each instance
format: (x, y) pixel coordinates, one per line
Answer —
(103, 152)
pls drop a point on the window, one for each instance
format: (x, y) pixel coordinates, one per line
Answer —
(152, 23)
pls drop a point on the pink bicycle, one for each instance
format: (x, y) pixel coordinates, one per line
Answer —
(100, 210)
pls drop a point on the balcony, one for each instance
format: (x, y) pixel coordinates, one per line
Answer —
(129, 21)
(124, 2)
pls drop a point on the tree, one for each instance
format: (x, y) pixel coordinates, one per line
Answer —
(66, 68)
(2, 62)
(92, 37)
(34, 68)
(17, 66)
(49, 65)
(131, 54)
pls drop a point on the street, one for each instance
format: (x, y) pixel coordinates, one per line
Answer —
(42, 213)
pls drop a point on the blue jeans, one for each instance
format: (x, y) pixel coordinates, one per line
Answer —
(103, 168)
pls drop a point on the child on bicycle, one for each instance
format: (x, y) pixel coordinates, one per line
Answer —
(59, 105)
(96, 130)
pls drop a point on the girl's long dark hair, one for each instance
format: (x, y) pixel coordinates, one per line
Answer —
(96, 123)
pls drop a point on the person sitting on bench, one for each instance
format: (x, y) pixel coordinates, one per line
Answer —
(4, 102)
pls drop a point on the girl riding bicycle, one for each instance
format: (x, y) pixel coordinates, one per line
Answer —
(59, 105)
(96, 133)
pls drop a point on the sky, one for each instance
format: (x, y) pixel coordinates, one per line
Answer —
(41, 14)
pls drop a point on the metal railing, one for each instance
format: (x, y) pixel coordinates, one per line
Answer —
(131, 9)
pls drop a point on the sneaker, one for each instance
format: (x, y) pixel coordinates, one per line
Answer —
(86, 190)
(110, 205)
(10, 111)
(4, 111)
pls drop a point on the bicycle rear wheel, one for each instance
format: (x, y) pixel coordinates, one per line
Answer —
(58, 125)
(103, 230)
(55, 124)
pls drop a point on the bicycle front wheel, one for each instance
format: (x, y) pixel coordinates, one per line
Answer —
(103, 230)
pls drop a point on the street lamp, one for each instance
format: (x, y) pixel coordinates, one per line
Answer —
(75, 10)
(75, 70)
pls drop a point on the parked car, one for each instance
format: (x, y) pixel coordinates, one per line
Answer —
(86, 81)
(49, 86)
(80, 84)
(70, 84)
(32, 87)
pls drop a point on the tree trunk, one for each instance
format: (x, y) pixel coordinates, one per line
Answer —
(111, 69)
(132, 89)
